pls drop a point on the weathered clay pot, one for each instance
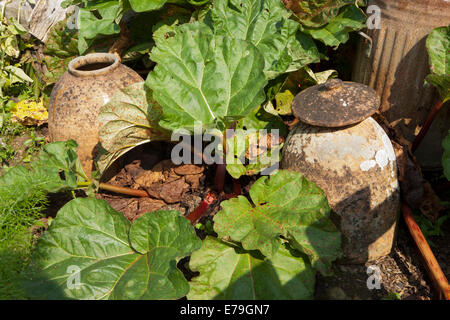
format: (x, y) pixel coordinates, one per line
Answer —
(397, 66)
(354, 164)
(77, 97)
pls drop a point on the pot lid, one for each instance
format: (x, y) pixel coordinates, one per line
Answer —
(335, 103)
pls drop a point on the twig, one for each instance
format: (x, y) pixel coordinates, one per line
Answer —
(123, 190)
(434, 270)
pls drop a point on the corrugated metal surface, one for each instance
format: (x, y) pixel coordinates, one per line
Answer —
(398, 65)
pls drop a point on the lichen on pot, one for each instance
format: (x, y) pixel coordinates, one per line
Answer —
(77, 97)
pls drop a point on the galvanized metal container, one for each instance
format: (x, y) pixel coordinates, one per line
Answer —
(352, 160)
(397, 67)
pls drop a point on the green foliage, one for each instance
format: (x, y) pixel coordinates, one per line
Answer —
(249, 151)
(114, 260)
(438, 44)
(317, 13)
(23, 190)
(33, 145)
(336, 31)
(284, 205)
(61, 47)
(269, 248)
(13, 60)
(430, 229)
(15, 254)
(128, 120)
(392, 296)
(229, 272)
(99, 18)
(206, 78)
(267, 25)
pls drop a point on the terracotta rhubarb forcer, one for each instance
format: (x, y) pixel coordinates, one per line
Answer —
(395, 64)
(77, 97)
(338, 146)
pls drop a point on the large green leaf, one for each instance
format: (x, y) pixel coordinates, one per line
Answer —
(229, 272)
(351, 18)
(267, 25)
(316, 13)
(288, 205)
(129, 119)
(200, 77)
(58, 159)
(438, 44)
(112, 260)
(446, 156)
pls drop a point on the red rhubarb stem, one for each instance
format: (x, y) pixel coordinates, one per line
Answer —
(426, 126)
(201, 209)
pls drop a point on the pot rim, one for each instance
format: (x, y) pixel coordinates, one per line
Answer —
(91, 59)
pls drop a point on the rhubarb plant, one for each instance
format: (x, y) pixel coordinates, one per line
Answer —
(268, 26)
(128, 120)
(269, 248)
(91, 251)
(228, 272)
(284, 206)
(206, 78)
(438, 44)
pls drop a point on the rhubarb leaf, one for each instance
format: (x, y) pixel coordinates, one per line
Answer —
(316, 13)
(288, 205)
(351, 18)
(227, 272)
(438, 44)
(201, 77)
(267, 25)
(89, 252)
(90, 26)
(128, 120)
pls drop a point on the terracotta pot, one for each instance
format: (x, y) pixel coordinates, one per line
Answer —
(339, 147)
(77, 97)
(397, 66)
